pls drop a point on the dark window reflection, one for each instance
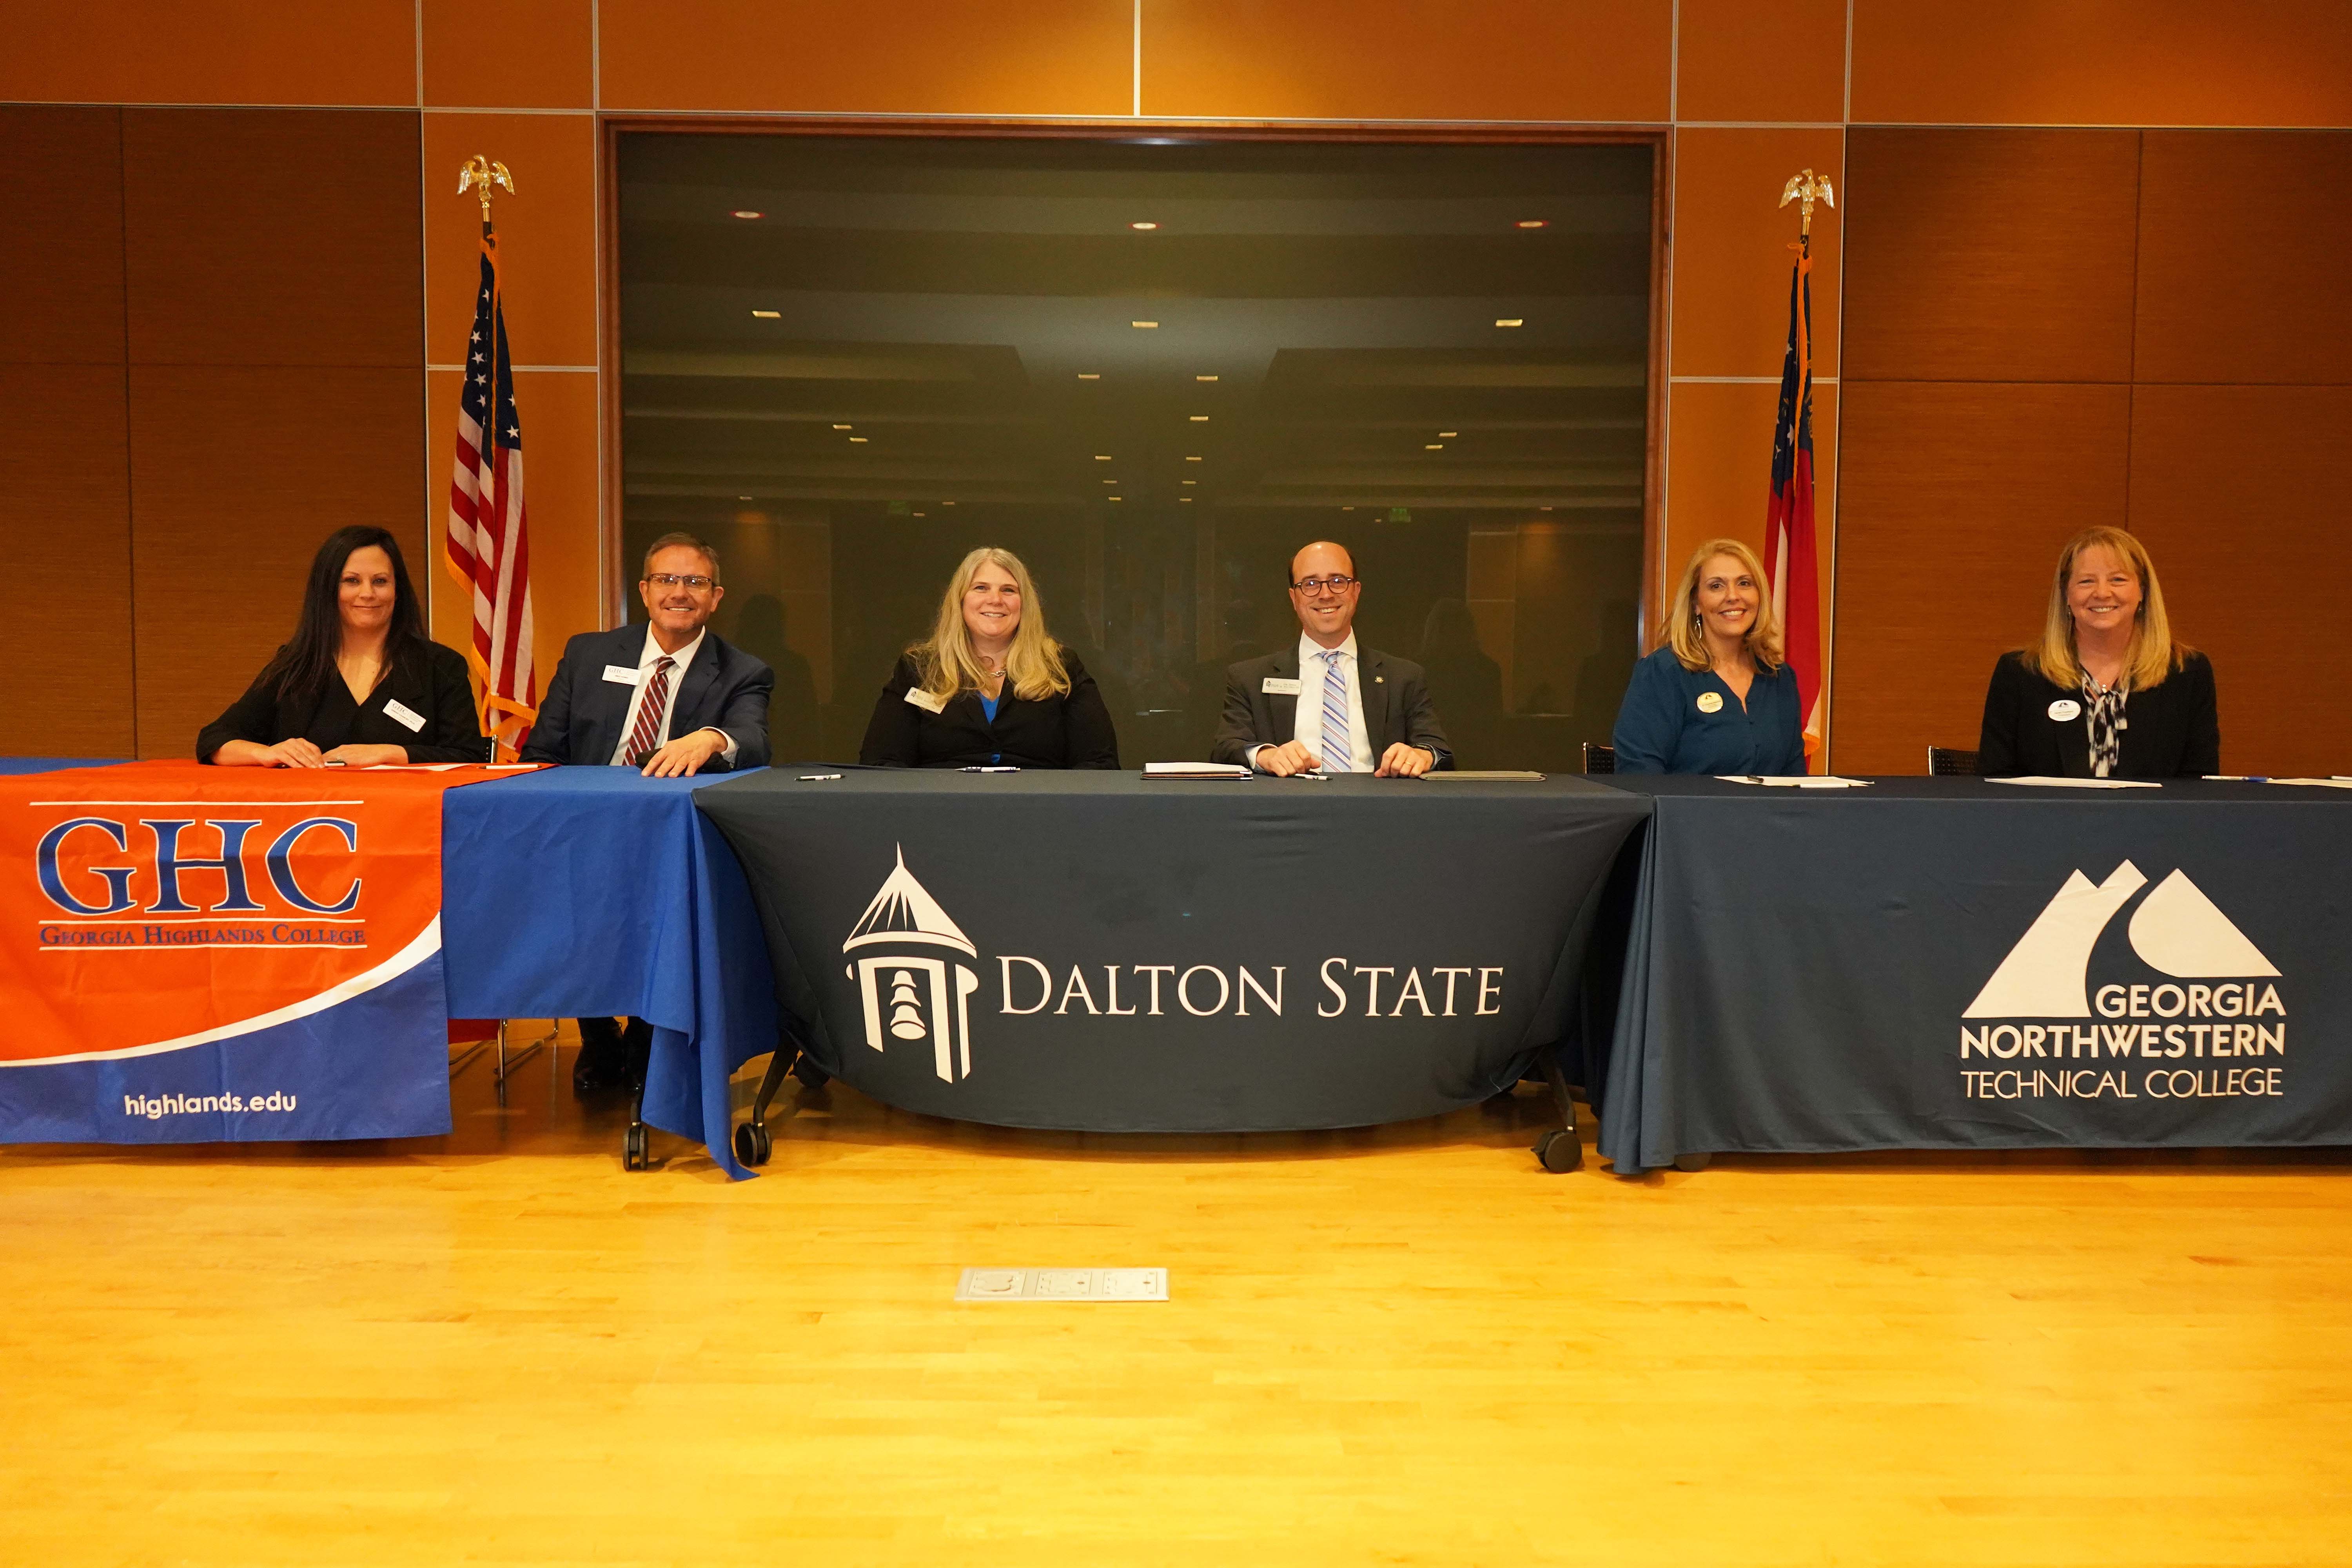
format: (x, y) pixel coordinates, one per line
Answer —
(919, 346)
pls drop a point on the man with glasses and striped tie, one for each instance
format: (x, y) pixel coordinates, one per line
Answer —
(1324, 706)
(669, 699)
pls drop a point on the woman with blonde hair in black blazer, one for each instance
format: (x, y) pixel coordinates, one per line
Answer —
(990, 687)
(2108, 691)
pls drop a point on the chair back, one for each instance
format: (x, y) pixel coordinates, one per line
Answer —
(1598, 759)
(1950, 761)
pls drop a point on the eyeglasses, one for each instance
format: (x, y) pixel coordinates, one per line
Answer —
(673, 580)
(1310, 586)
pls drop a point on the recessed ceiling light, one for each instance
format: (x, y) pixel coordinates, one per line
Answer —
(946, 503)
(858, 438)
(1190, 482)
(918, 514)
(1447, 435)
(1435, 446)
(1186, 500)
(1089, 375)
(1192, 459)
(743, 497)
(1118, 498)
(1143, 226)
(1110, 481)
(1200, 418)
(1143, 323)
(1543, 509)
(845, 426)
(1510, 321)
(1204, 378)
(746, 212)
(1102, 457)
(1347, 509)
(767, 315)
(1531, 223)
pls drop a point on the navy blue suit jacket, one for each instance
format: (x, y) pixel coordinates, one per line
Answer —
(579, 718)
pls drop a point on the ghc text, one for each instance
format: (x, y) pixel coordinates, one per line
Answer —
(171, 860)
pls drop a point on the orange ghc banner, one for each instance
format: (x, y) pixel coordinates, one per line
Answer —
(174, 934)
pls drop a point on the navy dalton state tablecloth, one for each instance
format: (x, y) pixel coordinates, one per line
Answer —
(1099, 951)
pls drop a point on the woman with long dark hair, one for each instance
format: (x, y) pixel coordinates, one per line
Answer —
(359, 684)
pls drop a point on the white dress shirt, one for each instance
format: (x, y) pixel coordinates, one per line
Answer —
(1307, 730)
(679, 663)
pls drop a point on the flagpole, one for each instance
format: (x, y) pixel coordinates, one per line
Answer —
(482, 175)
(1789, 537)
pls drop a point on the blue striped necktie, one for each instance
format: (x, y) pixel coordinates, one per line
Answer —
(1335, 712)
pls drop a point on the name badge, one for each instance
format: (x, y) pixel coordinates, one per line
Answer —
(925, 701)
(400, 713)
(2065, 707)
(622, 674)
(1710, 701)
(1275, 686)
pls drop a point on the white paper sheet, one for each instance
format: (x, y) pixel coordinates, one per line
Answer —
(1795, 781)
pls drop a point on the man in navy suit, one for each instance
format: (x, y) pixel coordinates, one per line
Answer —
(669, 699)
(1324, 704)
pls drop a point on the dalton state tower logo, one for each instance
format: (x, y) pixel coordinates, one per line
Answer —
(908, 980)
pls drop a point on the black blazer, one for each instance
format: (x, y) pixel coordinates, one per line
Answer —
(581, 717)
(2171, 731)
(1072, 731)
(1394, 691)
(427, 679)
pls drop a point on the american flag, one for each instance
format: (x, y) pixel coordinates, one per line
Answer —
(489, 547)
(1790, 554)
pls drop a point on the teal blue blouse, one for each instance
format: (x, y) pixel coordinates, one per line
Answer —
(1663, 726)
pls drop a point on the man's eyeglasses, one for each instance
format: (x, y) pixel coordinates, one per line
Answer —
(1310, 586)
(673, 580)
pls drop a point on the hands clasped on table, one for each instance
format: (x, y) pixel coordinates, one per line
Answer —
(1398, 762)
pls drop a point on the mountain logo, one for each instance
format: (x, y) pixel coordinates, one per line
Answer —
(906, 966)
(2176, 930)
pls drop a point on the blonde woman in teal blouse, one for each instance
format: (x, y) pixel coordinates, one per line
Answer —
(1716, 697)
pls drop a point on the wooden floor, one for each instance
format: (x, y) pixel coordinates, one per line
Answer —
(1389, 1347)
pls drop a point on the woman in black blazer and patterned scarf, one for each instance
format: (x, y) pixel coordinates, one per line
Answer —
(990, 687)
(2107, 692)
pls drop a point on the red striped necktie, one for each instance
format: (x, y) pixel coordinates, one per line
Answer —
(644, 734)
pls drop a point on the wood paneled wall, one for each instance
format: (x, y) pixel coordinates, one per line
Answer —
(2048, 330)
(164, 338)
(220, 364)
(65, 481)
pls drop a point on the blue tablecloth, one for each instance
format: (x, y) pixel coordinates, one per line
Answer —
(52, 765)
(586, 892)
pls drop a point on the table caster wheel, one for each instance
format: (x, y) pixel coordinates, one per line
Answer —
(752, 1144)
(633, 1155)
(1561, 1150)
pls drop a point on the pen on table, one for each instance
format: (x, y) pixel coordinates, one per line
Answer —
(992, 770)
(814, 778)
(2238, 778)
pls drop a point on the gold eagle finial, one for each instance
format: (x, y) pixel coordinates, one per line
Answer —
(479, 172)
(1808, 188)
